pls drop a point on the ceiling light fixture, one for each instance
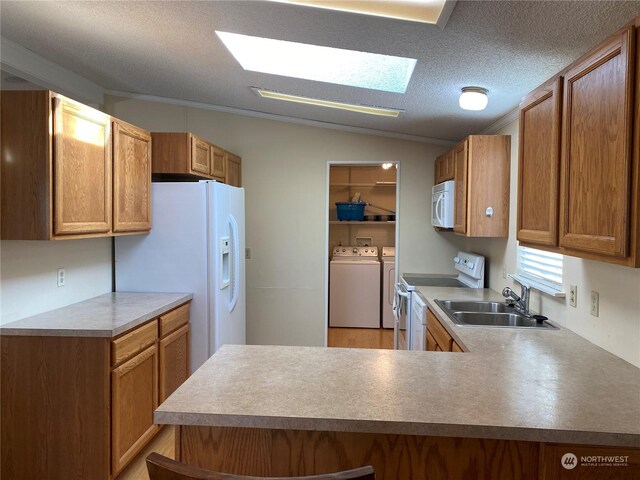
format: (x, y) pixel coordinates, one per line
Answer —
(370, 110)
(321, 64)
(474, 98)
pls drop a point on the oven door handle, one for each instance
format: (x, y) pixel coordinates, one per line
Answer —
(402, 290)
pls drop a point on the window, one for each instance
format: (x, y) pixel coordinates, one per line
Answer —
(544, 269)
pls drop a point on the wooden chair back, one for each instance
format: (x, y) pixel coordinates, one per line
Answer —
(163, 468)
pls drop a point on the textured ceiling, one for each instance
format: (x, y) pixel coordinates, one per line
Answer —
(169, 49)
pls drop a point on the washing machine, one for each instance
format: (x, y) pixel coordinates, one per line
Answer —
(354, 287)
(388, 282)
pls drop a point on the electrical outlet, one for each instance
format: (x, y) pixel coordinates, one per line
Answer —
(595, 304)
(247, 253)
(62, 277)
(573, 295)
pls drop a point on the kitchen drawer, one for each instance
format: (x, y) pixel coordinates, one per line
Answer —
(438, 331)
(174, 319)
(133, 342)
(431, 344)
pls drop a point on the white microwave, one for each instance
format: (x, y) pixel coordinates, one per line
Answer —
(443, 204)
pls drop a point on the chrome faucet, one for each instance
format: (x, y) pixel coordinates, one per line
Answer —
(521, 302)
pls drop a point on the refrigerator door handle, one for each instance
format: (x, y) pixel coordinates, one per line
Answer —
(233, 227)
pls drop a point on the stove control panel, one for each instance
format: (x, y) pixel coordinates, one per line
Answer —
(470, 264)
(352, 251)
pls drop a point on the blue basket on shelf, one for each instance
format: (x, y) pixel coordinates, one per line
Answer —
(349, 211)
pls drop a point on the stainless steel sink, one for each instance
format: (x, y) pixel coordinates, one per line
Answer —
(461, 306)
(489, 314)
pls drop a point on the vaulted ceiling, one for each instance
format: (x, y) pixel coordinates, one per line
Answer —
(170, 49)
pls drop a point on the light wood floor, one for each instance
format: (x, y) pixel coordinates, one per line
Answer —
(361, 338)
(163, 443)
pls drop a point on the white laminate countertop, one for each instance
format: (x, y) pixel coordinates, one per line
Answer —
(107, 315)
(520, 384)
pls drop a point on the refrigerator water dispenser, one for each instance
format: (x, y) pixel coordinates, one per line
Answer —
(225, 263)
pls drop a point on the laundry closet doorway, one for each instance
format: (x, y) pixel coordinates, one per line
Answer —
(362, 224)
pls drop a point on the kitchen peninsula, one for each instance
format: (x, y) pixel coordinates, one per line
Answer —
(510, 407)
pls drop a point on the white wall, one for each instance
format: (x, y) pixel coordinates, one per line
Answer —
(28, 274)
(284, 172)
(617, 329)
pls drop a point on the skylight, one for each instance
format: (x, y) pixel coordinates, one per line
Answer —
(321, 64)
(424, 11)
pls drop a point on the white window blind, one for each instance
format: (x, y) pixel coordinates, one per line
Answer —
(540, 266)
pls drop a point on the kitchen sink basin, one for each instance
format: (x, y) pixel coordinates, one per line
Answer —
(461, 306)
(489, 314)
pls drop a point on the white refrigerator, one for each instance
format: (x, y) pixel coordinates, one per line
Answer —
(196, 245)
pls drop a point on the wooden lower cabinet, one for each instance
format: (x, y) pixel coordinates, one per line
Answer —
(581, 462)
(431, 344)
(174, 361)
(55, 406)
(77, 408)
(285, 453)
(134, 397)
(438, 338)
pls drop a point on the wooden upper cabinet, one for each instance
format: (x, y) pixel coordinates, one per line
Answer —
(233, 170)
(460, 156)
(131, 178)
(217, 162)
(437, 170)
(200, 156)
(590, 106)
(539, 165)
(81, 168)
(185, 155)
(444, 167)
(596, 149)
(69, 170)
(482, 166)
